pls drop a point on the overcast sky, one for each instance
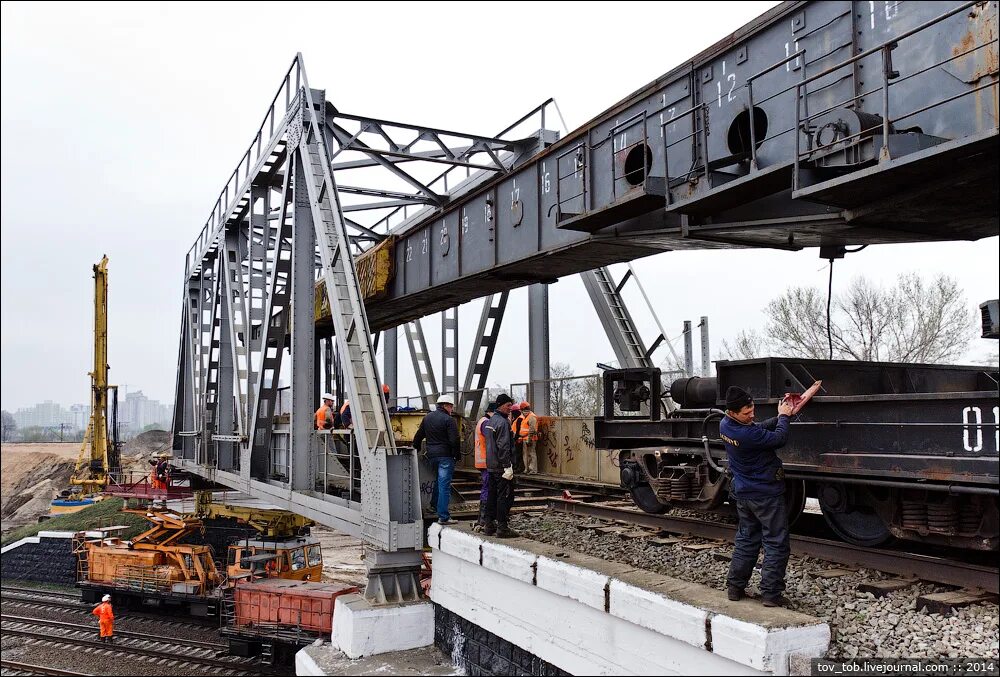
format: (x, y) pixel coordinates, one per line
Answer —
(120, 123)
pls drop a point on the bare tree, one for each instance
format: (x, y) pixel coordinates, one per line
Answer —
(915, 320)
(573, 396)
(747, 345)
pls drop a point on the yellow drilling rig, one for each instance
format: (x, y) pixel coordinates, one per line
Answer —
(100, 452)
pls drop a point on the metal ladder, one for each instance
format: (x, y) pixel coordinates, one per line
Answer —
(421, 362)
(614, 316)
(482, 353)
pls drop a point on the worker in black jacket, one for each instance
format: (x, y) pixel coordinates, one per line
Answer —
(500, 463)
(443, 450)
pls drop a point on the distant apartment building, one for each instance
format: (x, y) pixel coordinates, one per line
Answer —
(81, 415)
(45, 414)
(138, 412)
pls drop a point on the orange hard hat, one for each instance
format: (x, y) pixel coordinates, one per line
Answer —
(385, 388)
(525, 405)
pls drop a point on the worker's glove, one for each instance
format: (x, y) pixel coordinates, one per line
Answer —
(508, 473)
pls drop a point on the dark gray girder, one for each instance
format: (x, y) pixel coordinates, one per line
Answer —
(583, 203)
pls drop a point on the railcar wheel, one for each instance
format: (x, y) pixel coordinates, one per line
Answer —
(852, 515)
(795, 499)
(645, 498)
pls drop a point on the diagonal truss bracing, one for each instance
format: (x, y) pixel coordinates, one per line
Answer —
(250, 359)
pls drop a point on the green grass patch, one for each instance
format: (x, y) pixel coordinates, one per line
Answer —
(103, 513)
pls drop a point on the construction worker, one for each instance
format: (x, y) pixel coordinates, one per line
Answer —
(324, 415)
(154, 480)
(443, 451)
(163, 473)
(500, 463)
(106, 619)
(515, 423)
(480, 438)
(345, 415)
(758, 487)
(527, 433)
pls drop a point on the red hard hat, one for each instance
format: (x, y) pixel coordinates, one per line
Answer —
(525, 405)
(385, 388)
(515, 407)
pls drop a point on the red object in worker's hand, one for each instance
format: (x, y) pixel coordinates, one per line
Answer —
(798, 401)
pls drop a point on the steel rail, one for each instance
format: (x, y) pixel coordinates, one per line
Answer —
(898, 562)
(234, 666)
(143, 636)
(30, 669)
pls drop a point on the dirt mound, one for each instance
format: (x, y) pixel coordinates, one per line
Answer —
(32, 475)
(148, 443)
(141, 447)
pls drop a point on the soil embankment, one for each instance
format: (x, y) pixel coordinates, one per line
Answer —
(31, 475)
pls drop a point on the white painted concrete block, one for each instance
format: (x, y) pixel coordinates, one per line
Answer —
(460, 544)
(513, 562)
(567, 580)
(433, 535)
(360, 629)
(568, 634)
(658, 613)
(767, 649)
(306, 665)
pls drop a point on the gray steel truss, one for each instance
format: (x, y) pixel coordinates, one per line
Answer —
(481, 358)
(830, 140)
(449, 353)
(423, 368)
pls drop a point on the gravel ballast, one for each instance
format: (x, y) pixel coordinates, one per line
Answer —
(861, 624)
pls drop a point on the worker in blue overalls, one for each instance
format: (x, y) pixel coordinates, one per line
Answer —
(758, 486)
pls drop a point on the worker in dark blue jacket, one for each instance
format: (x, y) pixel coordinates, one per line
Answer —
(758, 486)
(443, 451)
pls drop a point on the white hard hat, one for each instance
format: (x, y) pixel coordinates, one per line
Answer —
(445, 399)
(106, 598)
(327, 396)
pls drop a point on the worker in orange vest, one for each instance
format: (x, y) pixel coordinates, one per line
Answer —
(154, 482)
(527, 433)
(106, 619)
(480, 438)
(515, 424)
(324, 415)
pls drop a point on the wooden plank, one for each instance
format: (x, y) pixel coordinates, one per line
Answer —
(832, 573)
(697, 547)
(594, 527)
(945, 602)
(722, 557)
(612, 530)
(637, 533)
(883, 588)
(663, 540)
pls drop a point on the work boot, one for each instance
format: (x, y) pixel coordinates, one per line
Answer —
(448, 522)
(478, 527)
(504, 531)
(735, 594)
(490, 529)
(777, 600)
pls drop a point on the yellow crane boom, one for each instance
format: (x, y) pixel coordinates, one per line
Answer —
(91, 473)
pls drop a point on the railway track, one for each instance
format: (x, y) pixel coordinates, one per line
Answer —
(156, 649)
(40, 598)
(932, 568)
(15, 668)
